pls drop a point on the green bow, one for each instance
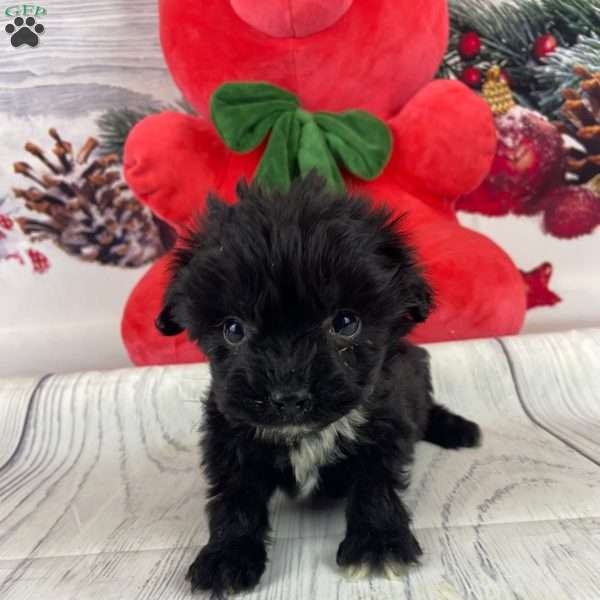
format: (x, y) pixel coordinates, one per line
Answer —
(299, 141)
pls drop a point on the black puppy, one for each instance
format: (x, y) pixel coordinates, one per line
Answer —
(301, 301)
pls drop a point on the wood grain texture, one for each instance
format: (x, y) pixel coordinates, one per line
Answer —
(15, 396)
(558, 378)
(93, 55)
(103, 498)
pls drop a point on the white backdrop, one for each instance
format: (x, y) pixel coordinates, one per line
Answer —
(98, 54)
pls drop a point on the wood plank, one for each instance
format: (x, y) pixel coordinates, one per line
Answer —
(537, 560)
(15, 395)
(104, 498)
(109, 463)
(83, 35)
(92, 56)
(558, 377)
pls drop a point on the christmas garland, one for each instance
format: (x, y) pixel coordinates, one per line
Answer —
(537, 43)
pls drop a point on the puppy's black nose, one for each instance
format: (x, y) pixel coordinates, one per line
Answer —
(290, 403)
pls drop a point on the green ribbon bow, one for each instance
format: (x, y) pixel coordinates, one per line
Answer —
(299, 141)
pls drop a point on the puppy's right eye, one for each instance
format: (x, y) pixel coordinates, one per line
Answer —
(345, 324)
(233, 332)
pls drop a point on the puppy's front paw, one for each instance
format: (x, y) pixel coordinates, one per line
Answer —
(359, 555)
(228, 566)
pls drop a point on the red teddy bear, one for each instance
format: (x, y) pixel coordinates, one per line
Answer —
(378, 56)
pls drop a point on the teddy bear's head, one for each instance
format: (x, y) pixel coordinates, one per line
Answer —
(334, 54)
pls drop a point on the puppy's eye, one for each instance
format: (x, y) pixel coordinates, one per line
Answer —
(233, 332)
(345, 324)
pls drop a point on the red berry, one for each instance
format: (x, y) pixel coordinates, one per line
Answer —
(471, 76)
(39, 261)
(544, 45)
(469, 45)
(6, 222)
(571, 211)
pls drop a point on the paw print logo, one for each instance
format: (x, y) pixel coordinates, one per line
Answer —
(24, 31)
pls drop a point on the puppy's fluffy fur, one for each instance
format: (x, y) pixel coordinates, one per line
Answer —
(301, 302)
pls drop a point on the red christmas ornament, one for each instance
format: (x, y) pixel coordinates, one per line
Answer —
(538, 292)
(471, 76)
(544, 45)
(571, 211)
(469, 45)
(529, 159)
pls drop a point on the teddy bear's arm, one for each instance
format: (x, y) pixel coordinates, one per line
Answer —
(444, 140)
(171, 162)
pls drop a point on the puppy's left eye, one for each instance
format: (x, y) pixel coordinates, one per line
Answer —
(345, 324)
(233, 332)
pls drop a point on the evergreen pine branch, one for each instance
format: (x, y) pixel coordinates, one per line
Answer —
(508, 28)
(115, 124)
(184, 106)
(557, 72)
(508, 32)
(574, 18)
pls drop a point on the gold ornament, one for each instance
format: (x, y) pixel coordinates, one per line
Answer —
(497, 92)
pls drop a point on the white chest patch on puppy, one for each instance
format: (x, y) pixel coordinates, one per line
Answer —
(312, 450)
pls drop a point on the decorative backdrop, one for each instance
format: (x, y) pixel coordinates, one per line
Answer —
(74, 240)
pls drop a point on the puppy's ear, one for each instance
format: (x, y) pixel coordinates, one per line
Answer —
(420, 301)
(407, 282)
(166, 323)
(248, 192)
(206, 233)
(217, 210)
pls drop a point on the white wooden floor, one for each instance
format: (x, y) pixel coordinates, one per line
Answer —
(101, 496)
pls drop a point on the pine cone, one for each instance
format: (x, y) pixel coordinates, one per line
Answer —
(581, 110)
(90, 212)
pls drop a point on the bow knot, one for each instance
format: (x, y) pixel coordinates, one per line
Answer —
(299, 140)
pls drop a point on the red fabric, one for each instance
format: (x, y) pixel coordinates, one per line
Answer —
(537, 283)
(375, 57)
(379, 55)
(290, 18)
